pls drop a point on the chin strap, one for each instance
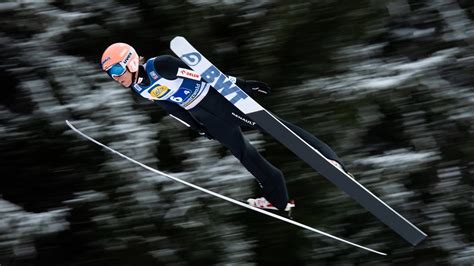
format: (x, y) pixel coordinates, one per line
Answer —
(136, 79)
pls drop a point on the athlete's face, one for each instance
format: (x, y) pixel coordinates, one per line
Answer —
(125, 80)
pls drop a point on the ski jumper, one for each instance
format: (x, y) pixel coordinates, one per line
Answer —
(202, 108)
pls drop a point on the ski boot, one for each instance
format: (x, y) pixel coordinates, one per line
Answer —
(339, 166)
(263, 203)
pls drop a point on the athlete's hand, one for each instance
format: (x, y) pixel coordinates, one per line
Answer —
(258, 87)
(203, 132)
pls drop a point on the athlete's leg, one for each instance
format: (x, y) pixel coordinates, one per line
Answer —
(315, 142)
(222, 108)
(229, 134)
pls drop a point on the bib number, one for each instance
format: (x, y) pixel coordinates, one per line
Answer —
(176, 99)
(181, 95)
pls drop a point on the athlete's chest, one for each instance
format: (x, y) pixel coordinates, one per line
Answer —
(182, 91)
(177, 90)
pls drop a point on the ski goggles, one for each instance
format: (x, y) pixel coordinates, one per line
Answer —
(117, 70)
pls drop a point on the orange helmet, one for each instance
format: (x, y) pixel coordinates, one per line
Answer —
(119, 56)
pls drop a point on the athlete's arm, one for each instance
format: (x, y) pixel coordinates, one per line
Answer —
(180, 114)
(184, 117)
(167, 66)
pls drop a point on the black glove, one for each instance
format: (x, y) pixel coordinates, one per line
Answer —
(257, 87)
(203, 132)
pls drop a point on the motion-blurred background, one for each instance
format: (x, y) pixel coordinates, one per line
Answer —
(387, 83)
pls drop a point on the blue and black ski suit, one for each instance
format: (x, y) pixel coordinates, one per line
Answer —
(202, 108)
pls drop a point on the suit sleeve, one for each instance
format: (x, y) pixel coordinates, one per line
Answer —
(167, 66)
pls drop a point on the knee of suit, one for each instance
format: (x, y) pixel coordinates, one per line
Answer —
(243, 150)
(239, 153)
